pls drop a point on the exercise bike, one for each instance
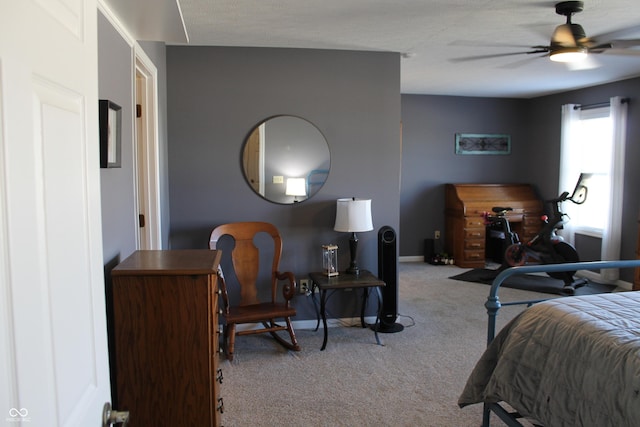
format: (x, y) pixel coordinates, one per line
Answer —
(547, 247)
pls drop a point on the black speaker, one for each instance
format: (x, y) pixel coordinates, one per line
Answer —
(429, 250)
(388, 273)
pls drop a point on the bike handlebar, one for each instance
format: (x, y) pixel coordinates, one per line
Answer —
(561, 198)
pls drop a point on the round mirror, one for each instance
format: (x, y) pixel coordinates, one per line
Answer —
(286, 159)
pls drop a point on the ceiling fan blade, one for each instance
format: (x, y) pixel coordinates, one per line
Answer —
(481, 43)
(521, 63)
(615, 44)
(495, 55)
(623, 44)
(620, 52)
(613, 35)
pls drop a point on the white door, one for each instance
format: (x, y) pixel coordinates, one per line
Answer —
(53, 345)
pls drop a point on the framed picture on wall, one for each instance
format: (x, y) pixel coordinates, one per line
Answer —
(110, 134)
(477, 143)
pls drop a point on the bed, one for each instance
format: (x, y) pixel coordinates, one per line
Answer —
(571, 361)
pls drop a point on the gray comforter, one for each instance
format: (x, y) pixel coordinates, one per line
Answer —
(566, 362)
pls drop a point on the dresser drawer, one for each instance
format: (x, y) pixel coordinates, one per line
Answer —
(474, 233)
(471, 255)
(474, 222)
(476, 244)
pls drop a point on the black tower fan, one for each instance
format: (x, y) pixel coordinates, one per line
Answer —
(388, 273)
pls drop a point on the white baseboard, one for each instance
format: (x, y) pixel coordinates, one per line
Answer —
(311, 323)
(411, 258)
(592, 275)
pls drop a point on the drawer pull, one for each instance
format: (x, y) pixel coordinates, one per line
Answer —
(220, 406)
(219, 376)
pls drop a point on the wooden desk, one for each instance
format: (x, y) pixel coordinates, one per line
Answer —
(465, 227)
(364, 280)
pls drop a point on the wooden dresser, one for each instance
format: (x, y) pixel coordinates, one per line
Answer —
(164, 338)
(465, 206)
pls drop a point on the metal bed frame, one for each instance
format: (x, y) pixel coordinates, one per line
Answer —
(493, 304)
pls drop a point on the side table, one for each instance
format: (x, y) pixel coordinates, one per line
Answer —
(364, 280)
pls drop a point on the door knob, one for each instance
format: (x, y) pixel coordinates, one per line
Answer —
(111, 417)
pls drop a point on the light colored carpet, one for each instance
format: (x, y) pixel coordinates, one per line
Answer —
(414, 379)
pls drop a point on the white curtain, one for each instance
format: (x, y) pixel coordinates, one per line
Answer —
(612, 233)
(569, 170)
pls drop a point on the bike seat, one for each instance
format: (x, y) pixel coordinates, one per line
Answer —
(498, 209)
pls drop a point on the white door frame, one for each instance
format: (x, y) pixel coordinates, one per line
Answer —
(146, 152)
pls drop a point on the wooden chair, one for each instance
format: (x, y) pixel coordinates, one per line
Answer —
(250, 309)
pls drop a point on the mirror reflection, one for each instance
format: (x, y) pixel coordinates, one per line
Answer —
(286, 159)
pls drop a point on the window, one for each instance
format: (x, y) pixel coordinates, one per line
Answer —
(592, 155)
(593, 141)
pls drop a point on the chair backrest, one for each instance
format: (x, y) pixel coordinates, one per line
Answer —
(245, 255)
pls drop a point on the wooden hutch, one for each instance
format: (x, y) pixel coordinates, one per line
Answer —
(465, 206)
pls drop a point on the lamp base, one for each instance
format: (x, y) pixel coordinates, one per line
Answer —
(353, 270)
(353, 250)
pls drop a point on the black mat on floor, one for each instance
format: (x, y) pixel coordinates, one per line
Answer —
(530, 282)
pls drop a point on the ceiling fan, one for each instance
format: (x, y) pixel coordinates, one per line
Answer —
(569, 42)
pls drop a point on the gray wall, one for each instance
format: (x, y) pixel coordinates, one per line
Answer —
(545, 149)
(116, 71)
(217, 95)
(429, 125)
(428, 159)
(358, 111)
(116, 84)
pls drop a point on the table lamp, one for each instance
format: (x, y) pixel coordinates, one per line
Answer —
(352, 216)
(296, 187)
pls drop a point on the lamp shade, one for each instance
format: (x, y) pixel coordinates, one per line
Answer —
(353, 215)
(296, 187)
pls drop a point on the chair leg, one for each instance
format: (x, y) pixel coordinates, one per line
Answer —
(230, 331)
(292, 334)
(225, 336)
(293, 345)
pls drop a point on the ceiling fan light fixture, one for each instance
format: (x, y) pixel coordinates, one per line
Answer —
(568, 35)
(568, 54)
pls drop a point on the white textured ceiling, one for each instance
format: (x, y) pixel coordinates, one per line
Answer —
(431, 34)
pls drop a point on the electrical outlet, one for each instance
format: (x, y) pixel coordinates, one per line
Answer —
(304, 286)
(436, 234)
